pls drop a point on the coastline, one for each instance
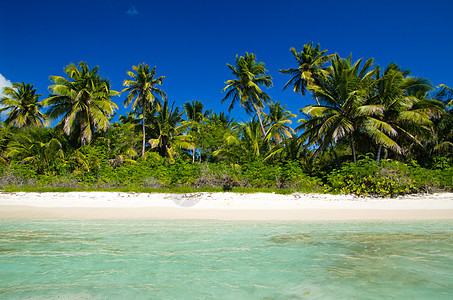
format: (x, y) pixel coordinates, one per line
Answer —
(222, 206)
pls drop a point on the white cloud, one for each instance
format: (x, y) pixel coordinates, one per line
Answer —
(4, 83)
(132, 11)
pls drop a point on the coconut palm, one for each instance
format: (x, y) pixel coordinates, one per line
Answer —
(22, 103)
(405, 114)
(246, 143)
(83, 102)
(444, 125)
(221, 119)
(194, 111)
(252, 139)
(167, 130)
(389, 92)
(311, 68)
(39, 147)
(431, 124)
(143, 93)
(129, 117)
(445, 94)
(243, 143)
(7, 134)
(245, 89)
(195, 115)
(345, 91)
(278, 121)
(124, 142)
(210, 134)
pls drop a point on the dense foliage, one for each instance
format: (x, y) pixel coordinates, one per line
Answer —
(370, 131)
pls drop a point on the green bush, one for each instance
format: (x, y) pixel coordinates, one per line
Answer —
(427, 180)
(388, 178)
(219, 174)
(293, 177)
(368, 177)
(442, 163)
(17, 174)
(91, 167)
(182, 172)
(148, 172)
(288, 175)
(260, 174)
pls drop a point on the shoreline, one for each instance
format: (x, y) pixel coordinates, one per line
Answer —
(222, 206)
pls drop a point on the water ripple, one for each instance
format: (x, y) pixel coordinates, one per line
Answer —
(228, 260)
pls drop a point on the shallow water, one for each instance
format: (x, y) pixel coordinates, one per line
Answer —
(225, 260)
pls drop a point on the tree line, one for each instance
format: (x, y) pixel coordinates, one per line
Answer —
(361, 112)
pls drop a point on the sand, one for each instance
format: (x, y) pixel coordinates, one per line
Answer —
(222, 206)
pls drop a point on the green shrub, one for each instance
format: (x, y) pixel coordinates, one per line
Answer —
(17, 175)
(219, 174)
(368, 177)
(288, 175)
(293, 177)
(388, 178)
(442, 163)
(182, 172)
(260, 174)
(427, 180)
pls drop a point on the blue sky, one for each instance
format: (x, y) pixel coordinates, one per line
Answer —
(190, 42)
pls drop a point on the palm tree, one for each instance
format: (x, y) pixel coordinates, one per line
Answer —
(345, 90)
(404, 114)
(167, 131)
(83, 101)
(431, 121)
(143, 92)
(444, 125)
(252, 139)
(211, 134)
(221, 119)
(195, 115)
(22, 102)
(246, 143)
(39, 147)
(278, 120)
(446, 94)
(194, 111)
(123, 142)
(129, 117)
(311, 68)
(7, 134)
(245, 89)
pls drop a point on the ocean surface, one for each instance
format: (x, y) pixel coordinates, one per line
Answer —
(225, 260)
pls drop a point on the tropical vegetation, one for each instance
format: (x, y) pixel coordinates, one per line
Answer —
(22, 103)
(370, 130)
(82, 102)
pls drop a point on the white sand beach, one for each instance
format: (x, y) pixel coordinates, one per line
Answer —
(222, 206)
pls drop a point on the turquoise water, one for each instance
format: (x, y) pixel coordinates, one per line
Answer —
(225, 260)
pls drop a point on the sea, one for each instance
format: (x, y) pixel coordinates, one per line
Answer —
(57, 259)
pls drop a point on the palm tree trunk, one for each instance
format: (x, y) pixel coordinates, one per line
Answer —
(143, 147)
(201, 146)
(353, 149)
(336, 158)
(378, 156)
(258, 114)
